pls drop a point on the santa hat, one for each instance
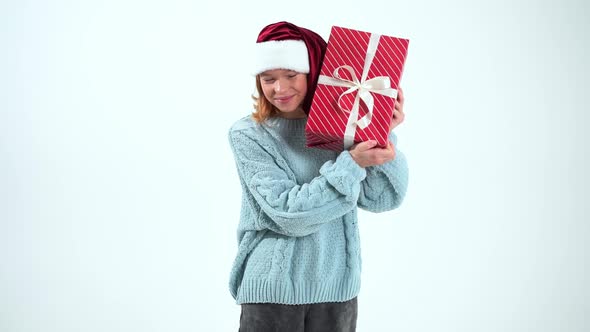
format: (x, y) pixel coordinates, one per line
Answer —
(284, 45)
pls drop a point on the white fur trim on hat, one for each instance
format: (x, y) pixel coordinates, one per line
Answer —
(281, 54)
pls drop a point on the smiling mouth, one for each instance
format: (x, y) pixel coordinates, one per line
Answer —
(283, 99)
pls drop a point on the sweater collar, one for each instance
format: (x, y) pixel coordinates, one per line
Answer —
(287, 125)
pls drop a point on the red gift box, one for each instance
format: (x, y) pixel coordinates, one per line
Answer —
(355, 96)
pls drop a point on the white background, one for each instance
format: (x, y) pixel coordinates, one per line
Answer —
(119, 198)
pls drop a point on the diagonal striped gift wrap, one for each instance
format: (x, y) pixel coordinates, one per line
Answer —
(347, 59)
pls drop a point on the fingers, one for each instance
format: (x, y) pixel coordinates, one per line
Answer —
(364, 146)
(377, 155)
(391, 150)
(398, 110)
(368, 154)
(399, 102)
(398, 116)
(399, 105)
(382, 155)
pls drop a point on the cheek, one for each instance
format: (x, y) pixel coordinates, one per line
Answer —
(302, 86)
(267, 92)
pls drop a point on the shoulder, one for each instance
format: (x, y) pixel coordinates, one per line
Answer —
(247, 126)
(247, 129)
(243, 124)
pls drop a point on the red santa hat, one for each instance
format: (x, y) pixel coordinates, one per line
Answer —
(284, 45)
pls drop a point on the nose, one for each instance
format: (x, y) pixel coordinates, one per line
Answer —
(277, 85)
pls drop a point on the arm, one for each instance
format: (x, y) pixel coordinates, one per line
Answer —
(295, 209)
(385, 186)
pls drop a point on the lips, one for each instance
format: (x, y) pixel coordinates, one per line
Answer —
(283, 99)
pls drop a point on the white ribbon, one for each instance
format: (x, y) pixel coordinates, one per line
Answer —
(379, 84)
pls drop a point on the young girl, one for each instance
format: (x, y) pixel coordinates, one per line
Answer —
(298, 263)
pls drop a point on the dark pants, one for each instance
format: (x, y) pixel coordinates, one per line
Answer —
(317, 317)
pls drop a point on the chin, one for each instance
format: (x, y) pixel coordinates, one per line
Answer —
(287, 110)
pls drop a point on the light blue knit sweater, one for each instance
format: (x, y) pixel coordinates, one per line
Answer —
(298, 239)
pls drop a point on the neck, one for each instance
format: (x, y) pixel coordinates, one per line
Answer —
(297, 114)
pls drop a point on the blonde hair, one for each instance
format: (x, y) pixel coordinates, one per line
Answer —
(262, 106)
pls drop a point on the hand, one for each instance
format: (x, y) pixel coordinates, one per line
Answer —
(398, 111)
(366, 154)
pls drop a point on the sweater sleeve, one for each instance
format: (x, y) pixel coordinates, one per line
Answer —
(295, 209)
(385, 186)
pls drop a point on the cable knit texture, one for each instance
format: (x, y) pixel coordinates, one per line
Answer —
(298, 238)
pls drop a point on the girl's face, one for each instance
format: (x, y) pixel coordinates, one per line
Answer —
(286, 90)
